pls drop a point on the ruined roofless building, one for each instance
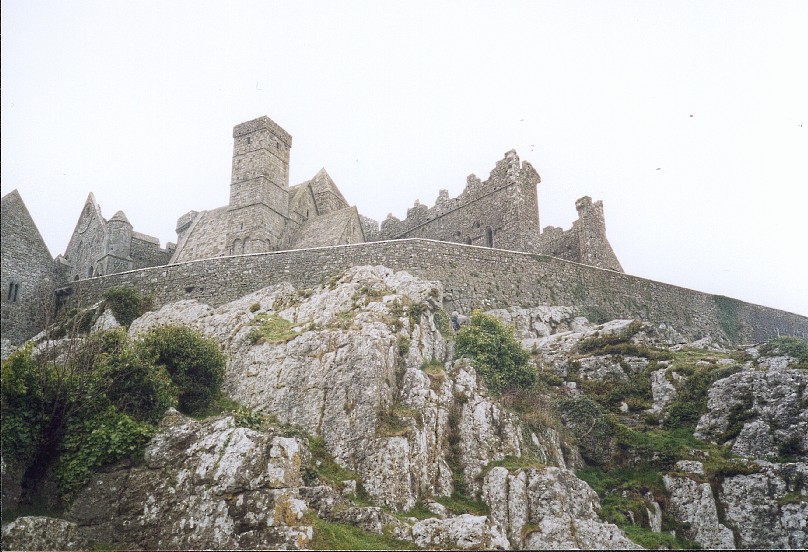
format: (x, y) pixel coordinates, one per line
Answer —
(266, 214)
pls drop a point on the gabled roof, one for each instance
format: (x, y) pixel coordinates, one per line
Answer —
(205, 238)
(334, 228)
(120, 216)
(13, 210)
(322, 186)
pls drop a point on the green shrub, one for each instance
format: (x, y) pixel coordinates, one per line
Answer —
(99, 401)
(592, 429)
(23, 406)
(691, 398)
(495, 353)
(126, 304)
(195, 363)
(790, 346)
(136, 386)
(90, 443)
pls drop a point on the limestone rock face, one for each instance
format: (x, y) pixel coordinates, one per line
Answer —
(349, 371)
(203, 485)
(692, 502)
(464, 532)
(757, 506)
(761, 409)
(549, 508)
(43, 533)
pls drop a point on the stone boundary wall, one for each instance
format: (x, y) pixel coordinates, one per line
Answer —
(472, 277)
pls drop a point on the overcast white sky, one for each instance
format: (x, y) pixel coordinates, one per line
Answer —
(688, 119)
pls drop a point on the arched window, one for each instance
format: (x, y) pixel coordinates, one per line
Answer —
(489, 237)
(13, 292)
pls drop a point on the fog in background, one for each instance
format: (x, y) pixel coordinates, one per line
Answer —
(688, 119)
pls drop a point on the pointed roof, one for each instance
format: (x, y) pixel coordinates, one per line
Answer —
(120, 216)
(15, 217)
(322, 183)
(334, 228)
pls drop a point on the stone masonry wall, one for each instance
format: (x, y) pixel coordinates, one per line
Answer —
(146, 251)
(28, 266)
(585, 242)
(473, 277)
(501, 212)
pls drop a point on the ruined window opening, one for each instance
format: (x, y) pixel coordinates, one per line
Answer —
(13, 292)
(76, 277)
(277, 145)
(489, 237)
(248, 139)
(468, 241)
(90, 272)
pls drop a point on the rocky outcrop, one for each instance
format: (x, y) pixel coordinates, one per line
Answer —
(549, 508)
(768, 509)
(349, 369)
(464, 532)
(43, 533)
(202, 485)
(761, 411)
(692, 502)
(363, 371)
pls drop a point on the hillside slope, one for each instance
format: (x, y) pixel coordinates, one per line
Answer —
(360, 424)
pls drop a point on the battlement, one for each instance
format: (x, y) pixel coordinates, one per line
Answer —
(503, 210)
(263, 123)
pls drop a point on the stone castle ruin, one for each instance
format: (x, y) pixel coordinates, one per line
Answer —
(265, 214)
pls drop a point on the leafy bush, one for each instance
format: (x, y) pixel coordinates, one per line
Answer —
(23, 406)
(195, 363)
(136, 386)
(99, 400)
(90, 443)
(691, 398)
(495, 353)
(789, 346)
(126, 304)
(591, 427)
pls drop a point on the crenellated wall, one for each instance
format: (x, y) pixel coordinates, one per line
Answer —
(585, 242)
(501, 212)
(473, 277)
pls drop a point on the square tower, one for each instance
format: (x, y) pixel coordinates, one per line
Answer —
(259, 187)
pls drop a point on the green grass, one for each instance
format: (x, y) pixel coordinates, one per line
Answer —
(272, 329)
(341, 536)
(419, 511)
(324, 465)
(648, 539)
(461, 504)
(512, 463)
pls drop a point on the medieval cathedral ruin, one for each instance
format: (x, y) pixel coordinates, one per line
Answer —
(266, 214)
